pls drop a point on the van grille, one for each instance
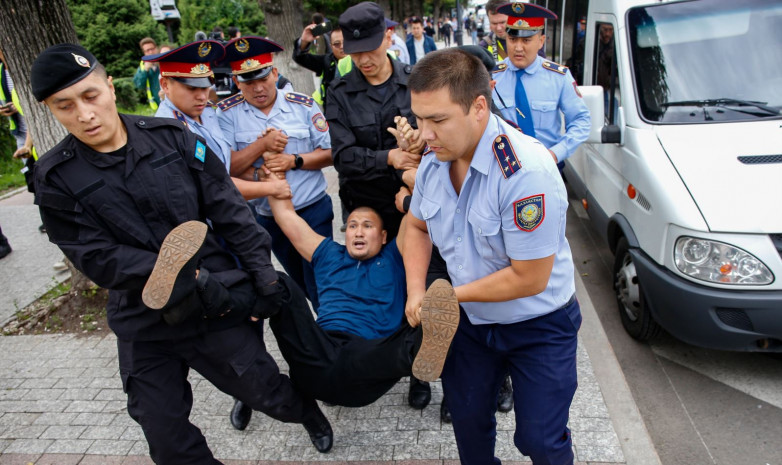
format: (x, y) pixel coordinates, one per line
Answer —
(736, 318)
(643, 202)
(760, 159)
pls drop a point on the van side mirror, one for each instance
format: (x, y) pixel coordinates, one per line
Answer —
(593, 98)
(611, 134)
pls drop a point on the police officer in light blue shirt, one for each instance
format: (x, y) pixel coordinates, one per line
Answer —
(492, 200)
(532, 91)
(302, 146)
(186, 77)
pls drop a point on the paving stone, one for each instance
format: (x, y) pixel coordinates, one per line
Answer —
(43, 394)
(139, 448)
(68, 372)
(62, 432)
(595, 453)
(435, 437)
(111, 394)
(90, 406)
(28, 446)
(18, 458)
(101, 460)
(375, 452)
(99, 419)
(103, 432)
(110, 447)
(138, 460)
(3, 444)
(23, 432)
(69, 446)
(59, 459)
(133, 433)
(18, 418)
(393, 438)
(416, 451)
(376, 424)
(38, 383)
(13, 394)
(80, 394)
(115, 406)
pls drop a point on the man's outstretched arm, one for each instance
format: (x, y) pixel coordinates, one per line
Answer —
(293, 226)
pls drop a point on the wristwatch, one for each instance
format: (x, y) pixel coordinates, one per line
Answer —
(298, 162)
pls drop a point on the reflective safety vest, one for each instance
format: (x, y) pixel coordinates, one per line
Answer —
(150, 98)
(495, 48)
(345, 65)
(14, 98)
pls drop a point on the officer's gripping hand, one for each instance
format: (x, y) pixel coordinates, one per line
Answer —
(413, 308)
(268, 301)
(280, 188)
(274, 140)
(402, 160)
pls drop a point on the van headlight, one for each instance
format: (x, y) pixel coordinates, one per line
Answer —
(718, 262)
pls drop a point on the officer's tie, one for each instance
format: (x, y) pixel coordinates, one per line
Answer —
(523, 114)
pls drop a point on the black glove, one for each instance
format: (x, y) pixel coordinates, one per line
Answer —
(269, 300)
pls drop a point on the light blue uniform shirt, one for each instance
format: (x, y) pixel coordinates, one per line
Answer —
(306, 129)
(547, 92)
(208, 128)
(479, 231)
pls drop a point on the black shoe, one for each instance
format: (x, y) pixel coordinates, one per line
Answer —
(42, 229)
(319, 429)
(420, 393)
(445, 413)
(5, 250)
(173, 277)
(505, 397)
(240, 415)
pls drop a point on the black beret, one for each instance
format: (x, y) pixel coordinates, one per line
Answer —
(482, 54)
(58, 67)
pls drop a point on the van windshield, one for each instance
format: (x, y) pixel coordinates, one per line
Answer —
(708, 60)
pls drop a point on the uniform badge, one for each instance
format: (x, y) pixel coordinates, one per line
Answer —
(506, 156)
(500, 68)
(530, 212)
(242, 46)
(200, 152)
(518, 8)
(575, 87)
(299, 98)
(320, 122)
(181, 117)
(230, 102)
(204, 49)
(81, 61)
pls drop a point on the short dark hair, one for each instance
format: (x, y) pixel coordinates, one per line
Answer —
(462, 73)
(317, 18)
(416, 20)
(147, 40)
(492, 6)
(366, 208)
(232, 31)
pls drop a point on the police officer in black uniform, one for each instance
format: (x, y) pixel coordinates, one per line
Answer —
(126, 197)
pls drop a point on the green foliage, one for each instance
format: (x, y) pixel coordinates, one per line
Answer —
(112, 29)
(128, 95)
(203, 15)
(10, 176)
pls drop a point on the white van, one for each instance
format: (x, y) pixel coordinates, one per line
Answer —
(682, 172)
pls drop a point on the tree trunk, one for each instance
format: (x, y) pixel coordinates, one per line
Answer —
(28, 27)
(284, 25)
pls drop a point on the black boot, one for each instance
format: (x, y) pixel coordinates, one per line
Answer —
(420, 393)
(319, 429)
(505, 397)
(445, 413)
(5, 248)
(240, 415)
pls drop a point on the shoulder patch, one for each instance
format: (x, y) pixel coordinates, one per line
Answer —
(505, 156)
(426, 151)
(499, 68)
(320, 122)
(301, 99)
(556, 67)
(529, 212)
(200, 151)
(230, 102)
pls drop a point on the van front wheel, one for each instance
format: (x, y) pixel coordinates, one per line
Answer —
(636, 318)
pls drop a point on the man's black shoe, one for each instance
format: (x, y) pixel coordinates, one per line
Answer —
(420, 393)
(173, 276)
(445, 413)
(5, 250)
(319, 429)
(505, 397)
(240, 415)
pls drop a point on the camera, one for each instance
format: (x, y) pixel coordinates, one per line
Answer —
(321, 28)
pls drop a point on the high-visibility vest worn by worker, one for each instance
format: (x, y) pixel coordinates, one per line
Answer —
(150, 96)
(8, 93)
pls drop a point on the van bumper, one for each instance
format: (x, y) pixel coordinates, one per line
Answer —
(738, 320)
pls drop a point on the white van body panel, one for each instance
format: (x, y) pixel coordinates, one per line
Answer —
(731, 195)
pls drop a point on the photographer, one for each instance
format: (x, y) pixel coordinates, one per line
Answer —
(325, 66)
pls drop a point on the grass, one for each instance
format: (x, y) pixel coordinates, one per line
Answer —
(10, 176)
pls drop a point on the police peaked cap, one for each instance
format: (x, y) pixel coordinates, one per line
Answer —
(251, 57)
(58, 67)
(525, 19)
(189, 63)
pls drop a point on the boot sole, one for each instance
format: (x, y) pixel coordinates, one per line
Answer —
(439, 321)
(178, 248)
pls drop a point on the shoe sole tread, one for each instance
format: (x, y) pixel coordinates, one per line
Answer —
(179, 246)
(439, 321)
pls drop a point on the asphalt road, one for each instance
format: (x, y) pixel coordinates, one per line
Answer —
(700, 406)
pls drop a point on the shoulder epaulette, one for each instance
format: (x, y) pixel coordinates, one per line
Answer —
(505, 156)
(301, 99)
(230, 102)
(556, 67)
(211, 103)
(180, 116)
(499, 68)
